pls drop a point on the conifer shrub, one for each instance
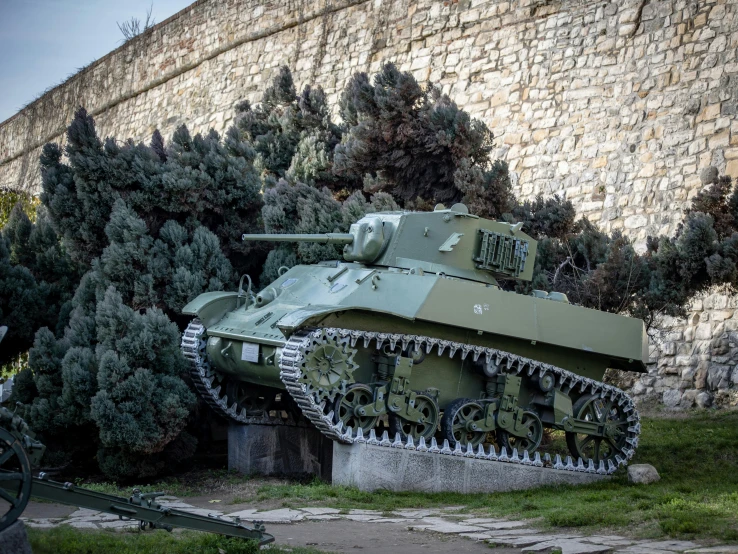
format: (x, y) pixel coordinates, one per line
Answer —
(152, 226)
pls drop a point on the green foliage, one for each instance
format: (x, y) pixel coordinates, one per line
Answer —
(155, 226)
(166, 271)
(292, 134)
(418, 144)
(37, 279)
(605, 272)
(8, 200)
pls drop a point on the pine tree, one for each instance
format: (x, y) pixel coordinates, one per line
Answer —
(416, 143)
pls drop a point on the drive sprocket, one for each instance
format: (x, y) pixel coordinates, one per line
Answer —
(327, 365)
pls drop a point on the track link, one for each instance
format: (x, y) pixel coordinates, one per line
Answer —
(302, 341)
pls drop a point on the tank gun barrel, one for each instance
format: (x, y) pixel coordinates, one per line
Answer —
(322, 238)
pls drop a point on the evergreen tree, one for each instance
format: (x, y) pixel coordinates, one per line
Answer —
(37, 280)
(166, 219)
(292, 134)
(142, 404)
(417, 144)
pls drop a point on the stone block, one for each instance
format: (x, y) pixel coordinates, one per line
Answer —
(671, 398)
(370, 468)
(14, 540)
(703, 400)
(279, 450)
(688, 399)
(718, 377)
(642, 474)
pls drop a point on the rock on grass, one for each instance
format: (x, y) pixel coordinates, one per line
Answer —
(642, 474)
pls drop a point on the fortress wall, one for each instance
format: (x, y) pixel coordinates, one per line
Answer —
(617, 105)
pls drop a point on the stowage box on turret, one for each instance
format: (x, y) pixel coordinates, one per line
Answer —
(412, 334)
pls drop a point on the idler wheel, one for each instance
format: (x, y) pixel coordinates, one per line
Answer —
(348, 408)
(256, 400)
(530, 441)
(15, 479)
(458, 423)
(604, 411)
(426, 427)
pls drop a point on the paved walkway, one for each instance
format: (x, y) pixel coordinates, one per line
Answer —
(514, 536)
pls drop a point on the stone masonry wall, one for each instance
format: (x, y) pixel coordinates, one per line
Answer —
(617, 105)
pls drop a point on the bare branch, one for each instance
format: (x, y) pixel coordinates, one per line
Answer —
(133, 27)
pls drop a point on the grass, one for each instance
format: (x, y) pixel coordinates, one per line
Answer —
(697, 497)
(66, 540)
(190, 484)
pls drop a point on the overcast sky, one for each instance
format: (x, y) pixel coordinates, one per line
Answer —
(42, 42)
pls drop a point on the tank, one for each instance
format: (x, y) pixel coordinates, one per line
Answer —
(411, 339)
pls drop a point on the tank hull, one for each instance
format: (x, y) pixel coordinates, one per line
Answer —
(244, 341)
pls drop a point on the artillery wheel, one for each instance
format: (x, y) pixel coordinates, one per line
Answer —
(356, 396)
(593, 408)
(457, 420)
(426, 428)
(533, 428)
(15, 478)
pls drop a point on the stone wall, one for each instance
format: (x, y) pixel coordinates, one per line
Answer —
(617, 105)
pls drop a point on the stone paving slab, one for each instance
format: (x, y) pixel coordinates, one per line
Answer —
(322, 518)
(320, 511)
(569, 546)
(440, 525)
(494, 531)
(498, 525)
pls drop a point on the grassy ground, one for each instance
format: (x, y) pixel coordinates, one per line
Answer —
(195, 483)
(697, 497)
(66, 540)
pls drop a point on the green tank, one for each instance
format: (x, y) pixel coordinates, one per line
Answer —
(411, 341)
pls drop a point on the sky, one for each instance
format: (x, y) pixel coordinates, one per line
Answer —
(45, 41)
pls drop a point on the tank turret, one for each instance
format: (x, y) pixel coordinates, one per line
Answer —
(409, 334)
(446, 241)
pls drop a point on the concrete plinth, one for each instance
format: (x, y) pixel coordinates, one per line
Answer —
(14, 540)
(371, 467)
(279, 450)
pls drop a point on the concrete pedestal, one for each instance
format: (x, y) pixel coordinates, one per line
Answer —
(14, 540)
(279, 450)
(369, 468)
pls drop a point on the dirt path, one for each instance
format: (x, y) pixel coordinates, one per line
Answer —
(352, 536)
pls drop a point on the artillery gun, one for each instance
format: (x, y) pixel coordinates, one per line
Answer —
(412, 336)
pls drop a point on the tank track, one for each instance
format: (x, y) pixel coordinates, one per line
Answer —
(322, 417)
(193, 348)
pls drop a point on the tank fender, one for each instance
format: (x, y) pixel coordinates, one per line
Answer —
(210, 307)
(303, 316)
